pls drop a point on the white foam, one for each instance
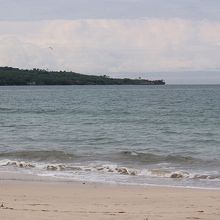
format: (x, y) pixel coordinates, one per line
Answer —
(110, 172)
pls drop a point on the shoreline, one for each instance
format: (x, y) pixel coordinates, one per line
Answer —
(82, 200)
(25, 177)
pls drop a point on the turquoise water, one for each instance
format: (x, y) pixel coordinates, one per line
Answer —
(163, 135)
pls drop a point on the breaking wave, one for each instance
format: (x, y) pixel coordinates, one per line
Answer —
(118, 157)
(120, 170)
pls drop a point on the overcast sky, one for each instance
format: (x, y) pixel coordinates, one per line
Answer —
(178, 40)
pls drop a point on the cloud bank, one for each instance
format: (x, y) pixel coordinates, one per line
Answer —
(111, 46)
(108, 9)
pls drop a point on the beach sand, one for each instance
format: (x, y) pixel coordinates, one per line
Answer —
(25, 200)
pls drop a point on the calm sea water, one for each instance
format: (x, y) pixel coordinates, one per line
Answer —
(163, 135)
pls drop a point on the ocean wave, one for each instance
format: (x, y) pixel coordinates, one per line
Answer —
(30, 111)
(39, 155)
(110, 168)
(150, 158)
(126, 157)
(39, 111)
(7, 110)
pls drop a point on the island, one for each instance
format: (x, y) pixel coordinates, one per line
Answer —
(16, 76)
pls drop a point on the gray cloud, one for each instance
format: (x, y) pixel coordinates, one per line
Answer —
(108, 9)
(112, 46)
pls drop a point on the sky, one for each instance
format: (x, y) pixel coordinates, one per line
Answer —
(176, 40)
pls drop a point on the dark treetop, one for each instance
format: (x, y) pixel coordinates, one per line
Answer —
(15, 76)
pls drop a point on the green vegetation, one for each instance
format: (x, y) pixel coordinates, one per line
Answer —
(15, 76)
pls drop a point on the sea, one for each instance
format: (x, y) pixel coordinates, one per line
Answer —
(118, 134)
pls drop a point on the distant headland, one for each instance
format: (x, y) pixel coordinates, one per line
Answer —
(15, 76)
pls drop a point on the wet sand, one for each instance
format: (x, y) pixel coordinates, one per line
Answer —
(25, 200)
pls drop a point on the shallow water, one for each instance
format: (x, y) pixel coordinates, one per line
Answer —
(163, 135)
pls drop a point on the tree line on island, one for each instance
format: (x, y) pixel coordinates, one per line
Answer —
(15, 76)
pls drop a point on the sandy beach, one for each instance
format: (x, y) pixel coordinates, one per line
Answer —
(24, 200)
